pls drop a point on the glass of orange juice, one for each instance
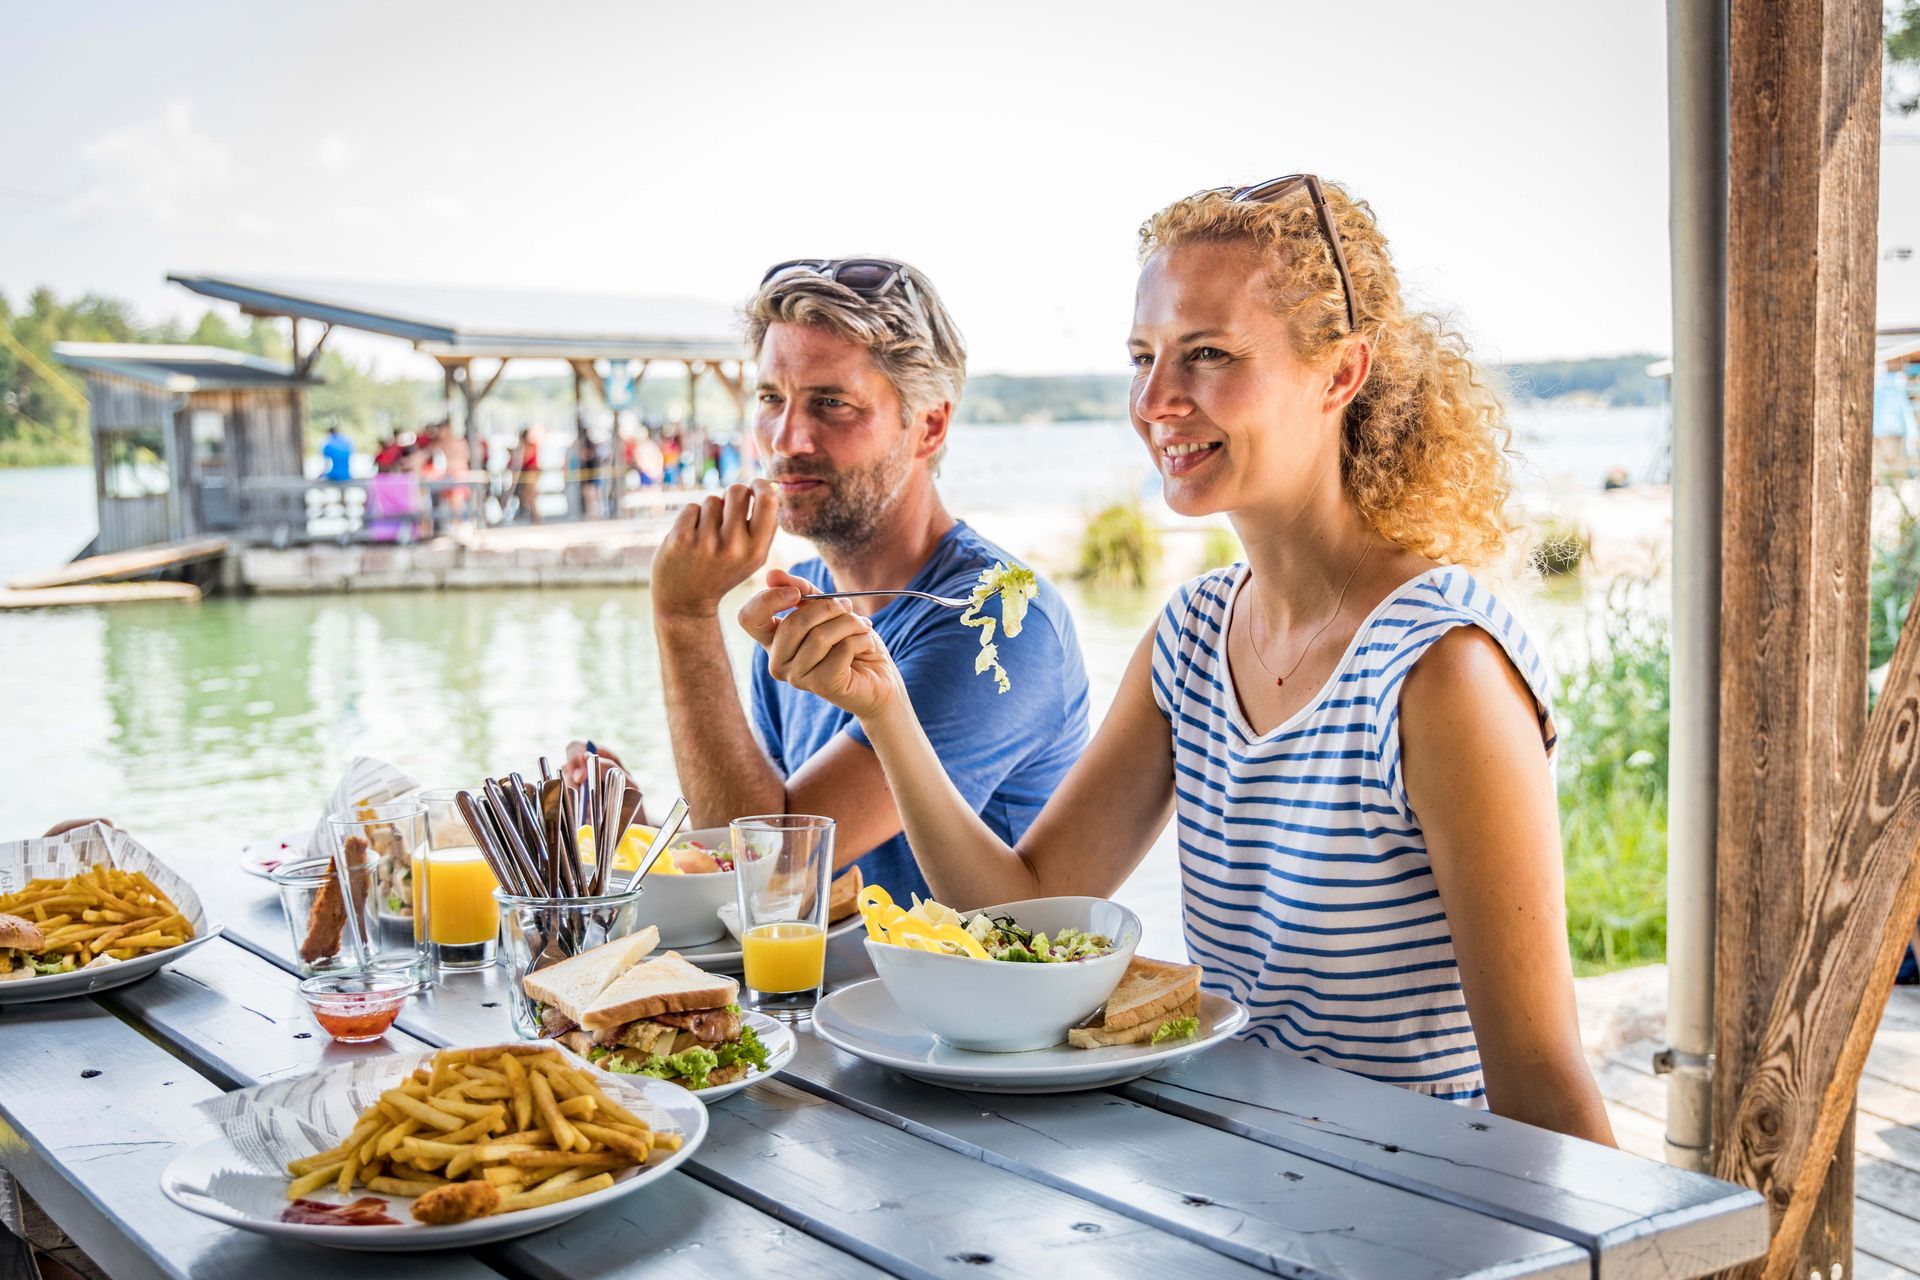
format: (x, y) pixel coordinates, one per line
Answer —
(783, 863)
(461, 913)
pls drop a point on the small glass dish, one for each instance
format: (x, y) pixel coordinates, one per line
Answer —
(354, 1008)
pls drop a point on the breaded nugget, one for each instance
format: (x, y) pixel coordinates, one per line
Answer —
(456, 1203)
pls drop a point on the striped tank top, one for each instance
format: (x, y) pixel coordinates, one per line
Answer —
(1306, 890)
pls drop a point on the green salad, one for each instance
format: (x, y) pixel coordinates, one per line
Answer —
(1005, 940)
(1016, 586)
(689, 1067)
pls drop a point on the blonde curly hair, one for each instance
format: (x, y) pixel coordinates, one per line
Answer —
(1423, 451)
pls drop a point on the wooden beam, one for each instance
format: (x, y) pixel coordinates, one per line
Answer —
(1803, 81)
(1865, 897)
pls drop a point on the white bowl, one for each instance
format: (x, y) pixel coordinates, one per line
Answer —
(995, 1006)
(683, 907)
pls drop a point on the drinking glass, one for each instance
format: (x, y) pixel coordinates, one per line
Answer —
(316, 915)
(461, 884)
(783, 863)
(537, 932)
(396, 835)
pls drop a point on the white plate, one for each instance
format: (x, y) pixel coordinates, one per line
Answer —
(781, 1046)
(99, 976)
(724, 956)
(216, 1181)
(262, 856)
(864, 1020)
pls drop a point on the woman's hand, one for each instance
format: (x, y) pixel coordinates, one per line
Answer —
(822, 647)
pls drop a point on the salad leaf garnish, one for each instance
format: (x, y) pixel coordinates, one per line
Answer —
(1176, 1029)
(1016, 586)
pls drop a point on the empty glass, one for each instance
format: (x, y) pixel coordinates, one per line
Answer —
(395, 835)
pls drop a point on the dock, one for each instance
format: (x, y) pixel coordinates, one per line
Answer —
(97, 593)
(120, 565)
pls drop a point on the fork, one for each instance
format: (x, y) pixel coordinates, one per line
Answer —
(950, 603)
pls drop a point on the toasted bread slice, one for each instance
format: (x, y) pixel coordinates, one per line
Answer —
(1140, 1033)
(843, 895)
(665, 984)
(1147, 990)
(21, 933)
(575, 983)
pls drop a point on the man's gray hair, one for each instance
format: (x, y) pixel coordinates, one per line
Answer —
(907, 330)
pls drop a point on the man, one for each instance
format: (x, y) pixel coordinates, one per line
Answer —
(338, 452)
(859, 370)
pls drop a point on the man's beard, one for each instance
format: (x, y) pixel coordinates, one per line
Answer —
(852, 509)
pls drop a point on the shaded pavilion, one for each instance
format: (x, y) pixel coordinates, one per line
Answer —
(608, 342)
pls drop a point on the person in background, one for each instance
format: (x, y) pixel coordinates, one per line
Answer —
(1353, 735)
(524, 463)
(453, 502)
(859, 370)
(583, 462)
(337, 451)
(390, 453)
(649, 461)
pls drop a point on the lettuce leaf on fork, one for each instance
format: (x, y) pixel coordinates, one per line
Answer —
(1016, 586)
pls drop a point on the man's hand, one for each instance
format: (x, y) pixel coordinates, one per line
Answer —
(714, 545)
(822, 647)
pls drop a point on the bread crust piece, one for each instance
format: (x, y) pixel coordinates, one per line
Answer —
(20, 933)
(843, 895)
(1147, 990)
(1082, 1038)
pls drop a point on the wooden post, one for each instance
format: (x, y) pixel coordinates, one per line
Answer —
(1864, 896)
(1804, 132)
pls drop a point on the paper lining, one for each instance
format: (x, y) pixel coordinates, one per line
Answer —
(57, 857)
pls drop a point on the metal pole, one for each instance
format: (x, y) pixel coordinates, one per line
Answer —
(1697, 34)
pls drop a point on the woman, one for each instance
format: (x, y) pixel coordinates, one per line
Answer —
(1353, 733)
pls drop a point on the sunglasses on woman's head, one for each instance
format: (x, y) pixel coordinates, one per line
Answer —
(1273, 191)
(868, 277)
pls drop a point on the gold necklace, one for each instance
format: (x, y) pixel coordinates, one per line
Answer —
(1280, 681)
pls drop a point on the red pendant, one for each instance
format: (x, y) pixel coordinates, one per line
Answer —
(1279, 682)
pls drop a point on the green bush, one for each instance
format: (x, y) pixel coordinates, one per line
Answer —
(1220, 548)
(1120, 547)
(1615, 710)
(1891, 584)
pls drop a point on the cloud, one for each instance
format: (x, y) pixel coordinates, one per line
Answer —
(335, 154)
(162, 167)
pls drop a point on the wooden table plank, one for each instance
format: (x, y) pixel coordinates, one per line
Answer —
(1266, 1207)
(1640, 1218)
(90, 1150)
(238, 1018)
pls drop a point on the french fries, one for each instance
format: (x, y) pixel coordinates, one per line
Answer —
(517, 1120)
(103, 911)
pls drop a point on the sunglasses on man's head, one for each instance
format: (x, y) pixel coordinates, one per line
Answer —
(868, 277)
(1273, 191)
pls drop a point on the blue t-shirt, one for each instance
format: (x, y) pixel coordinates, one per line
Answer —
(338, 451)
(1006, 752)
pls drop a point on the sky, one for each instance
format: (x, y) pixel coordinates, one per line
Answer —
(1514, 151)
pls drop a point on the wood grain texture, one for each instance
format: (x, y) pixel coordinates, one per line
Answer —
(1280, 1212)
(1807, 1065)
(1638, 1218)
(1804, 138)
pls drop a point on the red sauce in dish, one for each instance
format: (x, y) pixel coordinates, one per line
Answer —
(351, 1018)
(367, 1211)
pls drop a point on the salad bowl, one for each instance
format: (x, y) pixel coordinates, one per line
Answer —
(1003, 1006)
(683, 907)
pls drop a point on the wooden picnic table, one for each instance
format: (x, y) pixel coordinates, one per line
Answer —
(1238, 1161)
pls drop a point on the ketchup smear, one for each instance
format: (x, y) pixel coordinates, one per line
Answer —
(367, 1211)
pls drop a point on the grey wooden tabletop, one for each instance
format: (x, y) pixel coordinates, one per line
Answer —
(1240, 1160)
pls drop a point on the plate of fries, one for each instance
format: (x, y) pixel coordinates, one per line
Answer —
(458, 1148)
(105, 908)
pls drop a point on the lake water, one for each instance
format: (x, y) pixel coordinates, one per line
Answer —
(204, 727)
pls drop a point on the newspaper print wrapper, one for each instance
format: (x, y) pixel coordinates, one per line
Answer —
(271, 1125)
(95, 845)
(367, 781)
